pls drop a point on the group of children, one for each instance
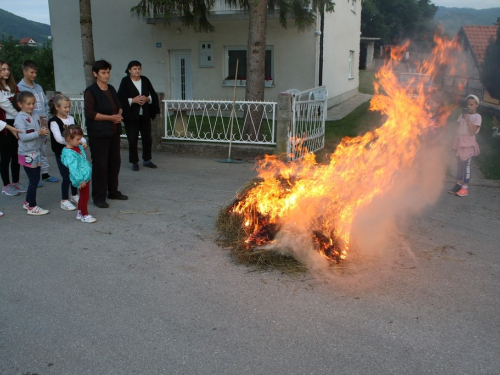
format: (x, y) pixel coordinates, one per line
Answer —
(25, 109)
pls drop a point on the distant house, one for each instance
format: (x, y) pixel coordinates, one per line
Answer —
(185, 64)
(28, 42)
(474, 41)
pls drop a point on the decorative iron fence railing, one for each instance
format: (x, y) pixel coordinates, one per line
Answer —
(308, 122)
(210, 121)
(463, 86)
(77, 111)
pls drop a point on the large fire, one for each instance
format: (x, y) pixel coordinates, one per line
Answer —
(320, 201)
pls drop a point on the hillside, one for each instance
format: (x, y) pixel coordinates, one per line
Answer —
(20, 27)
(453, 18)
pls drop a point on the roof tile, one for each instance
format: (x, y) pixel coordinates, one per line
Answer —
(479, 38)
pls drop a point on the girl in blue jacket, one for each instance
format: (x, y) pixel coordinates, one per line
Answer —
(73, 156)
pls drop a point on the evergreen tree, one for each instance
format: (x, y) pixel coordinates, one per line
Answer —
(490, 72)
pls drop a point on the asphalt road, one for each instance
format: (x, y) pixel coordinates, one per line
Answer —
(145, 290)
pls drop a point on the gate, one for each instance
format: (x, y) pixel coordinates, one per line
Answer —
(308, 122)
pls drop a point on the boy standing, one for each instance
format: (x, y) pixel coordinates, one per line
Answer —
(30, 70)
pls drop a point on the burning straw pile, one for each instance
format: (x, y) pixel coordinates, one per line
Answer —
(307, 210)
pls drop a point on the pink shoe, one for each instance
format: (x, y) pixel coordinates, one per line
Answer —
(462, 192)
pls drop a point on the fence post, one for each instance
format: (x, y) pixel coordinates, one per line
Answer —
(283, 124)
(158, 124)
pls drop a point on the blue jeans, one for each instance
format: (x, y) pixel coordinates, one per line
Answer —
(66, 182)
(34, 179)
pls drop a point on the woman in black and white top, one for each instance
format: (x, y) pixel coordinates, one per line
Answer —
(140, 105)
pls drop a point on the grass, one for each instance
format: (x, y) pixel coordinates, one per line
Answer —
(366, 79)
(488, 161)
(215, 125)
(357, 122)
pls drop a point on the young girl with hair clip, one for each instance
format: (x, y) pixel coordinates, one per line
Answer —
(8, 142)
(29, 150)
(74, 158)
(60, 120)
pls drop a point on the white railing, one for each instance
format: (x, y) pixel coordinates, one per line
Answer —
(308, 122)
(77, 111)
(210, 121)
(221, 6)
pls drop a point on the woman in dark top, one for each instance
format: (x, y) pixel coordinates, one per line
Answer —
(140, 105)
(103, 115)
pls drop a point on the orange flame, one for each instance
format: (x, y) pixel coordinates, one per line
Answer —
(323, 200)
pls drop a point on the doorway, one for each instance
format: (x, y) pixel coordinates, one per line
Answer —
(181, 75)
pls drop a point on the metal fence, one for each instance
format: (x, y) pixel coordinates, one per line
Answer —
(308, 122)
(78, 112)
(463, 86)
(210, 121)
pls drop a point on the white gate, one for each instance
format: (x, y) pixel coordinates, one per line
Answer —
(308, 122)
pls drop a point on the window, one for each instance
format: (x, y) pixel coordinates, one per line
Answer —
(353, 6)
(351, 64)
(240, 53)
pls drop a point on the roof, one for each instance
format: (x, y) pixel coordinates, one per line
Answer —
(478, 38)
(26, 40)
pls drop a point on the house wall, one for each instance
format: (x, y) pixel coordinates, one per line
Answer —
(120, 37)
(342, 34)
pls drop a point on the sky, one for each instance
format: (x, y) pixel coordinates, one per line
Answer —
(38, 10)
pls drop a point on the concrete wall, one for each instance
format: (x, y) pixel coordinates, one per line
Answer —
(342, 34)
(120, 37)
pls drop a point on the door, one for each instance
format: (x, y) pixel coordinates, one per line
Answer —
(181, 75)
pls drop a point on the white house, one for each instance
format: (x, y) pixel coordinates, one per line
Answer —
(185, 64)
(28, 42)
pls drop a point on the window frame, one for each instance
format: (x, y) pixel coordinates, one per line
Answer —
(352, 57)
(353, 6)
(226, 82)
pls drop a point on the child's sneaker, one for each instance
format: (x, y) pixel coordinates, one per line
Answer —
(51, 179)
(37, 211)
(20, 187)
(74, 199)
(26, 205)
(9, 190)
(67, 205)
(455, 189)
(79, 215)
(88, 219)
(462, 192)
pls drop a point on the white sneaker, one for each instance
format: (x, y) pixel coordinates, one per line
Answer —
(88, 219)
(67, 205)
(37, 211)
(26, 205)
(79, 215)
(74, 199)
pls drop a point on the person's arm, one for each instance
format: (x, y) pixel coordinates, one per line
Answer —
(472, 127)
(56, 132)
(26, 134)
(91, 114)
(6, 105)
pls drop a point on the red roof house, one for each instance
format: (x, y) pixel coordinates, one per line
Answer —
(28, 42)
(474, 41)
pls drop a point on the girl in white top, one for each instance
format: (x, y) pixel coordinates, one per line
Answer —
(59, 109)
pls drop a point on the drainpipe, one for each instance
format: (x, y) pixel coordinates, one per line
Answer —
(321, 37)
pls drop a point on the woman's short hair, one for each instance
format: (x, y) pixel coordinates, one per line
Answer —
(132, 64)
(100, 65)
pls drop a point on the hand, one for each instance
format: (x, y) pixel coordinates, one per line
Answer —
(85, 145)
(43, 131)
(83, 184)
(117, 118)
(14, 131)
(466, 117)
(137, 99)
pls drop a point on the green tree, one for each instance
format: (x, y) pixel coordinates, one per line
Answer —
(396, 20)
(194, 13)
(15, 54)
(490, 72)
